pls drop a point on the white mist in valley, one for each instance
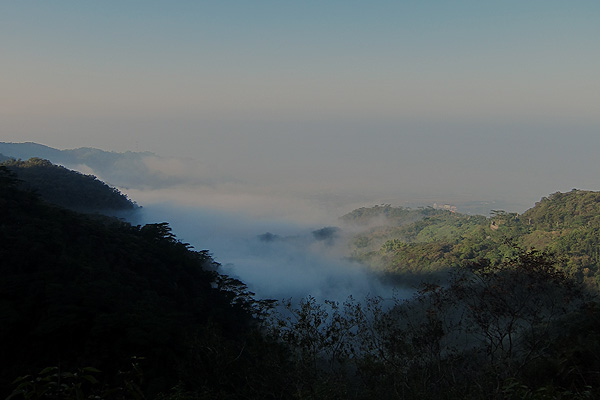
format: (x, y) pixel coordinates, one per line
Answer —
(276, 258)
(270, 236)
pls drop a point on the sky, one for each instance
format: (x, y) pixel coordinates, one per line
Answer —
(395, 101)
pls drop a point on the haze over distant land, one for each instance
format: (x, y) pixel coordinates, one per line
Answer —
(287, 105)
(277, 241)
(151, 179)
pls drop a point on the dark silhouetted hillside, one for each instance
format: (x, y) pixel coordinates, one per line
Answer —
(79, 291)
(128, 169)
(70, 189)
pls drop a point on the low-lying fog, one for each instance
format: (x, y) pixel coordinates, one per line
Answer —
(277, 259)
(258, 214)
(270, 236)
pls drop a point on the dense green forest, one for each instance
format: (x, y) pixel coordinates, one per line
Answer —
(412, 242)
(92, 307)
(70, 189)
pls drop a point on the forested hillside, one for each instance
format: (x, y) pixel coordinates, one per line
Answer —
(70, 189)
(79, 291)
(93, 307)
(406, 242)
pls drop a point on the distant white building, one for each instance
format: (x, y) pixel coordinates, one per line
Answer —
(448, 207)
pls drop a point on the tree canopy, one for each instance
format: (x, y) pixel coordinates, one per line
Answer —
(67, 188)
(404, 242)
(81, 290)
(93, 307)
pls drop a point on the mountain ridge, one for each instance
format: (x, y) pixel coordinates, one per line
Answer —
(70, 189)
(117, 169)
(78, 290)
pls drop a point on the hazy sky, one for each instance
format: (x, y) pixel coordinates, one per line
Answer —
(440, 99)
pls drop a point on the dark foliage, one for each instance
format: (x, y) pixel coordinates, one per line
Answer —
(66, 188)
(90, 291)
(522, 329)
(82, 296)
